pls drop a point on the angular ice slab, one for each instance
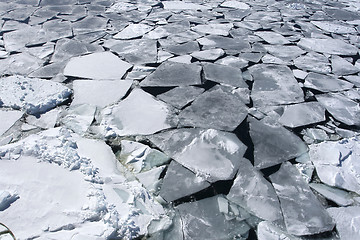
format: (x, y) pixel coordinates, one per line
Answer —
(102, 65)
(32, 95)
(8, 118)
(180, 182)
(347, 221)
(341, 66)
(79, 118)
(273, 144)
(341, 108)
(204, 220)
(210, 54)
(302, 114)
(210, 154)
(334, 27)
(171, 74)
(274, 85)
(221, 29)
(338, 196)
(217, 108)
(326, 83)
(269, 231)
(252, 192)
(302, 211)
(224, 74)
(313, 62)
(286, 53)
(338, 163)
(99, 93)
(328, 45)
(133, 31)
(272, 37)
(139, 51)
(235, 4)
(180, 5)
(226, 43)
(138, 114)
(179, 97)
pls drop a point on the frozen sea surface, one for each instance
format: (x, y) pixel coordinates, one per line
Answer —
(180, 120)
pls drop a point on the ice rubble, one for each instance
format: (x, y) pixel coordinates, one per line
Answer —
(218, 112)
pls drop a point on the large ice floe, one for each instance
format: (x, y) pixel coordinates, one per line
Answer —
(179, 119)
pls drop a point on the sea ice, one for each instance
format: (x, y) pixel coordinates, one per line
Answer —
(179, 97)
(8, 119)
(221, 29)
(235, 4)
(326, 83)
(99, 93)
(123, 119)
(273, 144)
(274, 85)
(101, 66)
(251, 191)
(347, 221)
(329, 46)
(272, 37)
(313, 62)
(334, 27)
(180, 5)
(338, 196)
(302, 114)
(171, 74)
(310, 216)
(208, 55)
(342, 67)
(224, 75)
(133, 31)
(217, 108)
(337, 163)
(269, 231)
(79, 118)
(32, 95)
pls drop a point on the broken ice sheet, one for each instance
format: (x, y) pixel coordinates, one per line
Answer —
(341, 66)
(179, 97)
(226, 43)
(138, 157)
(180, 182)
(205, 215)
(347, 221)
(212, 155)
(337, 163)
(79, 118)
(89, 24)
(20, 63)
(310, 216)
(140, 51)
(272, 37)
(340, 197)
(208, 55)
(235, 4)
(123, 119)
(273, 144)
(217, 108)
(133, 31)
(251, 191)
(313, 62)
(329, 46)
(8, 119)
(326, 83)
(180, 5)
(341, 108)
(334, 27)
(102, 65)
(302, 114)
(286, 53)
(32, 95)
(184, 48)
(221, 29)
(274, 85)
(172, 74)
(266, 230)
(99, 93)
(224, 74)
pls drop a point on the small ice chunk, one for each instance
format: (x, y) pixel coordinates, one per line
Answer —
(313, 62)
(123, 118)
(181, 5)
(133, 31)
(221, 29)
(337, 163)
(6, 199)
(150, 179)
(170, 74)
(347, 221)
(328, 45)
(302, 114)
(342, 67)
(8, 119)
(274, 85)
(326, 83)
(99, 93)
(235, 4)
(266, 230)
(102, 65)
(181, 59)
(46, 120)
(273, 144)
(341, 108)
(272, 37)
(79, 118)
(33, 95)
(334, 27)
(286, 53)
(179, 97)
(340, 197)
(310, 216)
(224, 74)
(218, 108)
(180, 182)
(305, 169)
(210, 54)
(205, 215)
(251, 191)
